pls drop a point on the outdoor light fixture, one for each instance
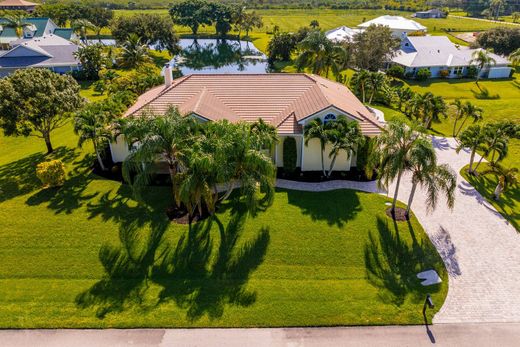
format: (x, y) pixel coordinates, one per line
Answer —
(427, 303)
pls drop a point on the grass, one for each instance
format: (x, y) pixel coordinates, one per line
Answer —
(509, 203)
(88, 255)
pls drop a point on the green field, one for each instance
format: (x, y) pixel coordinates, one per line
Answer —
(310, 259)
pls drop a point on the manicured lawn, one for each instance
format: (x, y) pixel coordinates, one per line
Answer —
(509, 203)
(88, 255)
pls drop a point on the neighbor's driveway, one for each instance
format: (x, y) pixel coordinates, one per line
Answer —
(480, 249)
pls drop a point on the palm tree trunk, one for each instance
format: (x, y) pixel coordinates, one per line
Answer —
(478, 164)
(410, 199)
(394, 203)
(455, 127)
(461, 125)
(363, 92)
(332, 164)
(497, 192)
(100, 161)
(323, 162)
(471, 159)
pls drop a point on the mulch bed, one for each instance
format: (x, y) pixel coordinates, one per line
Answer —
(398, 215)
(317, 176)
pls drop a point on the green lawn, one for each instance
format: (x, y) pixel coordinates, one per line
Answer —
(509, 203)
(87, 255)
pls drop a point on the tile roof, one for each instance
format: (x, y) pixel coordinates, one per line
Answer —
(17, 3)
(282, 100)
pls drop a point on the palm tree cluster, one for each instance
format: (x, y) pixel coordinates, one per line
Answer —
(491, 139)
(368, 84)
(425, 108)
(403, 147)
(483, 60)
(206, 161)
(341, 135)
(133, 52)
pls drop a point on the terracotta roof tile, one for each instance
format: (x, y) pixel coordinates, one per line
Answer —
(282, 100)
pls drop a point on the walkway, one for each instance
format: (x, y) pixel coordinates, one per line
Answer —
(480, 249)
(461, 335)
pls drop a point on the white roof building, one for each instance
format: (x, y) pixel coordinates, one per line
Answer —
(400, 26)
(342, 33)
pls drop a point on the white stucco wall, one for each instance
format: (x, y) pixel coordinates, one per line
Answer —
(499, 72)
(119, 149)
(312, 158)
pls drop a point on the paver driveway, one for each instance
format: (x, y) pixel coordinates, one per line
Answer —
(480, 249)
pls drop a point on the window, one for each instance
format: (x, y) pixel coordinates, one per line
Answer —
(330, 117)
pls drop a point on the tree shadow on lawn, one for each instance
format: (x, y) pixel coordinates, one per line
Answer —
(336, 207)
(392, 263)
(200, 273)
(19, 177)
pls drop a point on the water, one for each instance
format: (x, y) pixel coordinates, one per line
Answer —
(219, 56)
(215, 56)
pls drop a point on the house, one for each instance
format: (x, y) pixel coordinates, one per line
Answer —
(37, 28)
(399, 26)
(443, 58)
(433, 13)
(48, 51)
(342, 33)
(18, 5)
(286, 101)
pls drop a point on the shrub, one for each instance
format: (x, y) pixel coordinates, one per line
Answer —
(472, 71)
(396, 71)
(444, 73)
(423, 74)
(289, 154)
(51, 173)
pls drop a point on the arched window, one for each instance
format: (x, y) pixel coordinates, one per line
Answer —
(329, 118)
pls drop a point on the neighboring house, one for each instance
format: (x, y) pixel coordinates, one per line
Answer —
(438, 53)
(49, 51)
(433, 13)
(37, 28)
(399, 26)
(19, 5)
(342, 33)
(286, 101)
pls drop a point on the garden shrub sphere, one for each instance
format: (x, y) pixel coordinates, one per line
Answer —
(51, 173)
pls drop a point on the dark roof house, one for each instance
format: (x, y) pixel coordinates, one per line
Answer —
(20, 5)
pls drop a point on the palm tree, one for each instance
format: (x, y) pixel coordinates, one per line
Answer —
(472, 138)
(319, 54)
(81, 27)
(507, 177)
(343, 136)
(314, 24)
(157, 138)
(482, 59)
(434, 107)
(459, 113)
(391, 155)
(134, 52)
(515, 57)
(469, 111)
(18, 23)
(359, 82)
(264, 135)
(91, 124)
(376, 82)
(426, 173)
(403, 95)
(496, 140)
(316, 130)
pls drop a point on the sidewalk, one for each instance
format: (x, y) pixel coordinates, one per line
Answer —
(460, 335)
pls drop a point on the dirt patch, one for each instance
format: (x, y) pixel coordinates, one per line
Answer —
(399, 214)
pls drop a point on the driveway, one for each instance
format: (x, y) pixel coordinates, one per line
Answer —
(480, 248)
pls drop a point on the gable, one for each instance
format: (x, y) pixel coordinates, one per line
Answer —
(23, 51)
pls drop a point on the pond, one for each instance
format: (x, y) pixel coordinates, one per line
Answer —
(219, 56)
(215, 56)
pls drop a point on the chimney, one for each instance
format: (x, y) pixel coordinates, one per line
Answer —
(168, 77)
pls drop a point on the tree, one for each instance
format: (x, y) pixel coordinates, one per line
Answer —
(426, 173)
(377, 81)
(392, 151)
(239, 15)
(59, 13)
(191, 13)
(280, 47)
(153, 29)
(319, 54)
(373, 47)
(502, 40)
(222, 16)
(134, 52)
(359, 83)
(495, 7)
(289, 154)
(163, 137)
(343, 135)
(250, 21)
(403, 96)
(506, 177)
(91, 124)
(92, 60)
(18, 23)
(482, 60)
(469, 111)
(473, 139)
(100, 17)
(496, 140)
(515, 16)
(36, 102)
(263, 135)
(457, 115)
(316, 130)
(81, 27)
(515, 57)
(314, 24)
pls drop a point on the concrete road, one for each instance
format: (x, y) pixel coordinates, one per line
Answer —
(460, 335)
